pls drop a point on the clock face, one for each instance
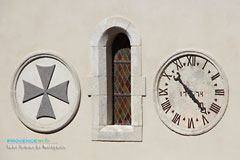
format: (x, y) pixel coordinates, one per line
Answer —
(191, 93)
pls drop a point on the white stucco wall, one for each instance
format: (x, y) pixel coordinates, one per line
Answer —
(165, 26)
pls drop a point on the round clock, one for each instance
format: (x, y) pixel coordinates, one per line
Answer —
(190, 93)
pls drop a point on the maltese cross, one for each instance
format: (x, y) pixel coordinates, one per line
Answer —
(31, 91)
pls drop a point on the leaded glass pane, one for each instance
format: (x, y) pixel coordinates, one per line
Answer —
(123, 55)
(122, 87)
(122, 110)
(122, 78)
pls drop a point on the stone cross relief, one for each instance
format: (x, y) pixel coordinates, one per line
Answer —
(31, 91)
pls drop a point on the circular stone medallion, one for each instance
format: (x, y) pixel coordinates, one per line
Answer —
(191, 93)
(45, 92)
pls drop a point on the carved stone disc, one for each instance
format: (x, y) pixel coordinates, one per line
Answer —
(45, 92)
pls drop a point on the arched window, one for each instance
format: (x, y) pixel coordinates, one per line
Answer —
(121, 51)
(116, 85)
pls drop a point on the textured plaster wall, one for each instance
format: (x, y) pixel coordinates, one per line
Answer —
(165, 26)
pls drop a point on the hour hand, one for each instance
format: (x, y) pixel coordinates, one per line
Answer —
(190, 94)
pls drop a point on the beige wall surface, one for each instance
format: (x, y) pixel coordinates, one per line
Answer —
(166, 26)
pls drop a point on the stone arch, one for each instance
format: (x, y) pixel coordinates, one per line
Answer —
(100, 81)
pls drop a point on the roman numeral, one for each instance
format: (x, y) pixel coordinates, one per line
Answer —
(178, 64)
(215, 76)
(204, 64)
(163, 92)
(191, 60)
(215, 108)
(176, 118)
(190, 123)
(219, 92)
(166, 75)
(166, 106)
(205, 121)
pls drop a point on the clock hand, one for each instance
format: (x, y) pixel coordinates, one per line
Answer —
(191, 95)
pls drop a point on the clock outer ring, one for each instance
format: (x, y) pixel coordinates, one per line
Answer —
(157, 105)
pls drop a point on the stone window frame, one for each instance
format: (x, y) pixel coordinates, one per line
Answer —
(102, 129)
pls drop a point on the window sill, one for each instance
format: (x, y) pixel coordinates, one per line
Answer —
(117, 133)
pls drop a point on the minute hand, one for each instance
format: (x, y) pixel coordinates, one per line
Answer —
(189, 92)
